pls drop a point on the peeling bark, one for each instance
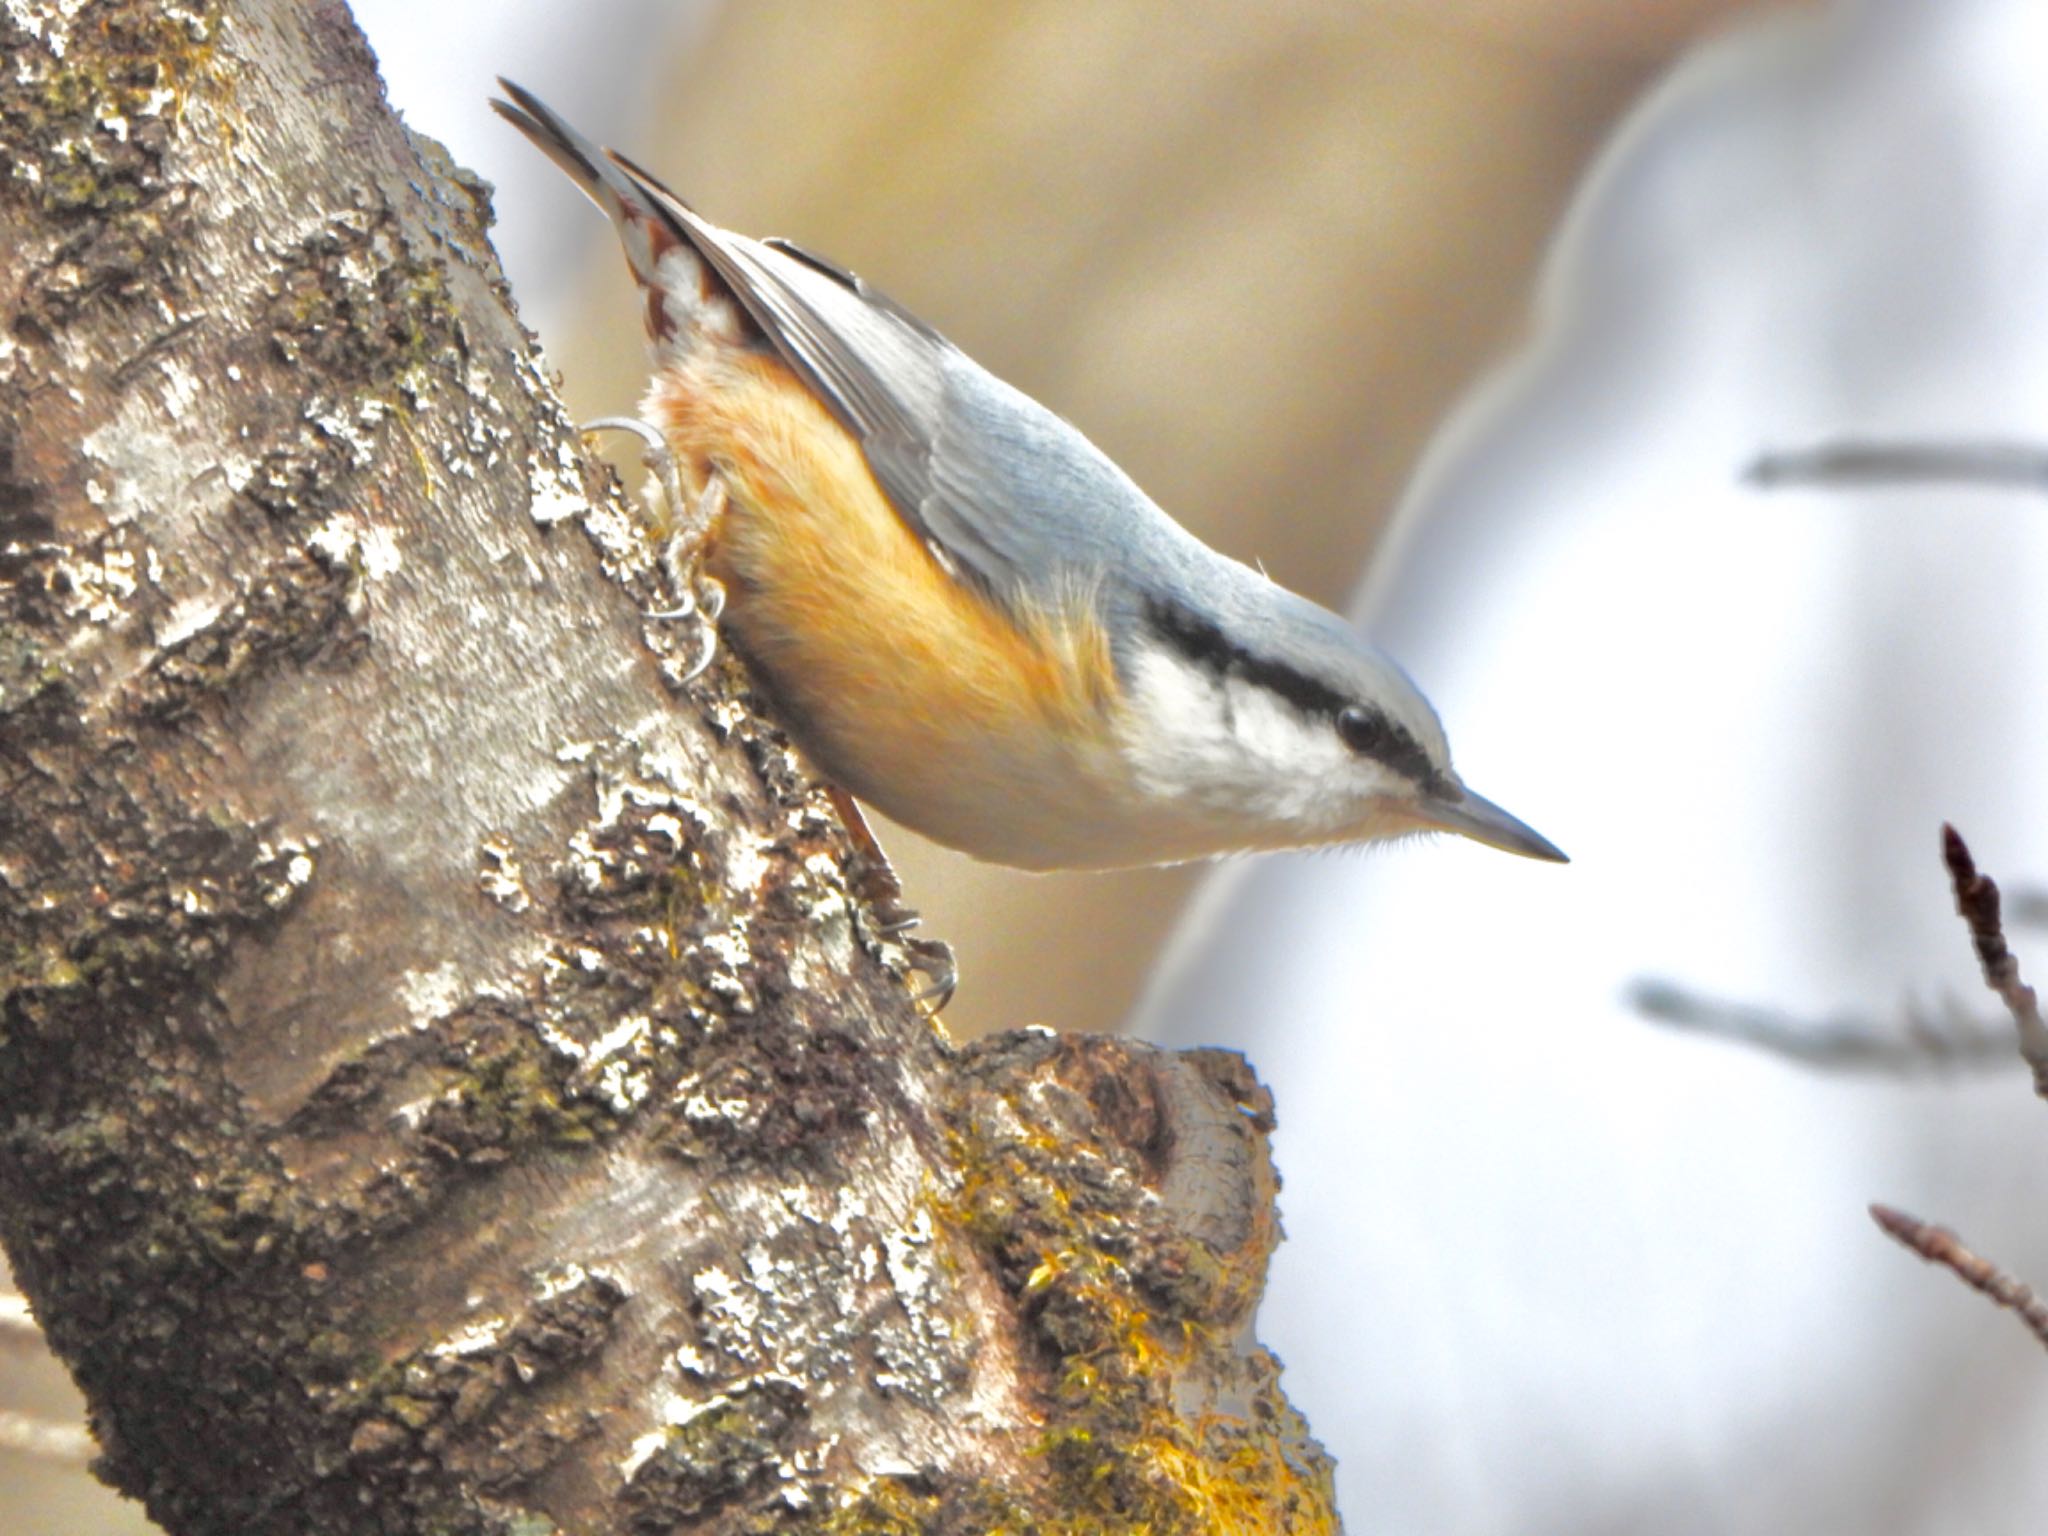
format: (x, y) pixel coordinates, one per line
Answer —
(447, 1079)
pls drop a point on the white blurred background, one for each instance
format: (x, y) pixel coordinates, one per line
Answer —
(1551, 1268)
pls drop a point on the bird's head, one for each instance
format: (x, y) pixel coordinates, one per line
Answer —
(1274, 722)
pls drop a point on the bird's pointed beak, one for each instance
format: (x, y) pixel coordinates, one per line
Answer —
(1476, 817)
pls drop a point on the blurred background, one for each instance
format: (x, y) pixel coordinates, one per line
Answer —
(1468, 314)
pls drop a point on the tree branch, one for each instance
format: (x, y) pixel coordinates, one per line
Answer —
(1878, 465)
(447, 1078)
(1938, 1245)
(1949, 1039)
(1921, 1042)
(1977, 904)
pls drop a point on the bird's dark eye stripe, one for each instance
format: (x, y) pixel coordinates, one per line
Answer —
(1202, 642)
(1368, 732)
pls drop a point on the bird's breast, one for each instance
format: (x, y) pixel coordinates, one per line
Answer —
(989, 730)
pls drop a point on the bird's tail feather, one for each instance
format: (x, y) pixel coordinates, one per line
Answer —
(685, 297)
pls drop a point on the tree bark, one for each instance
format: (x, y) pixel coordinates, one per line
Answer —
(447, 1077)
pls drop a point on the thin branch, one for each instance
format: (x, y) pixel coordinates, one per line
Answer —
(1951, 1040)
(1855, 465)
(26, 1435)
(1938, 1245)
(1977, 902)
(1945, 1040)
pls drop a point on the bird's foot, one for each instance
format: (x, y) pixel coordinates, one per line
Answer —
(891, 919)
(930, 958)
(684, 527)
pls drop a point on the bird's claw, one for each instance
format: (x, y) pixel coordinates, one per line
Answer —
(701, 597)
(704, 603)
(933, 960)
(873, 882)
(894, 923)
(710, 598)
(657, 458)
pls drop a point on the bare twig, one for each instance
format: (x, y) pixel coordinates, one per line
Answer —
(27, 1435)
(1849, 464)
(1946, 1039)
(1977, 902)
(1950, 1040)
(1938, 1245)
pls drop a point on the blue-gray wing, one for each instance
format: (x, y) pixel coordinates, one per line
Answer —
(1003, 491)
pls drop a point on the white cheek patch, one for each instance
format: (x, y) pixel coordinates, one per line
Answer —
(1227, 748)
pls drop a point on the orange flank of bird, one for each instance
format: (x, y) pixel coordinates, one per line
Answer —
(888, 665)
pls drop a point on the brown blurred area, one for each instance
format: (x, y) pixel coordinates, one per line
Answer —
(1254, 252)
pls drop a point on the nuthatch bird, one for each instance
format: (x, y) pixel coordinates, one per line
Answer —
(967, 615)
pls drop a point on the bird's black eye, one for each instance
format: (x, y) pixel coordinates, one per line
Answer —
(1364, 731)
